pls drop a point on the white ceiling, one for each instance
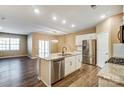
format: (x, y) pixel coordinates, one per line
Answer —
(23, 20)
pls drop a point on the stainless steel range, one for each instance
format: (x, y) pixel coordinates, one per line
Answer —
(116, 60)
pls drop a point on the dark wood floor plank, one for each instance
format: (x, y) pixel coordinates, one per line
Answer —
(21, 72)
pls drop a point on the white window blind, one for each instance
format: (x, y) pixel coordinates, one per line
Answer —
(14, 43)
(4, 44)
(9, 44)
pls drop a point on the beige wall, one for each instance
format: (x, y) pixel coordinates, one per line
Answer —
(111, 25)
(38, 36)
(69, 39)
(64, 40)
(23, 46)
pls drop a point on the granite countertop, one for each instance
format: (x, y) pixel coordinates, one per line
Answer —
(113, 72)
(55, 56)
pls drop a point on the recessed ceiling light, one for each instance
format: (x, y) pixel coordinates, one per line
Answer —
(36, 11)
(54, 18)
(103, 16)
(63, 21)
(1, 27)
(72, 25)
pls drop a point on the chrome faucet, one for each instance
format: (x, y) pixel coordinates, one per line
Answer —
(64, 48)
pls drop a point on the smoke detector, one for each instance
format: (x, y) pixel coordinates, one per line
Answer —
(93, 6)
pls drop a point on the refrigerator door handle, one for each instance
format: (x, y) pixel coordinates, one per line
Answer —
(119, 36)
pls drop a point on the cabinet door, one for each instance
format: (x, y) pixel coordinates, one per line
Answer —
(72, 63)
(78, 61)
(67, 66)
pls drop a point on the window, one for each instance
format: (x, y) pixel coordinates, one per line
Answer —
(14, 43)
(44, 48)
(4, 44)
(9, 44)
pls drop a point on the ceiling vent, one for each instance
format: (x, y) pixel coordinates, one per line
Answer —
(93, 6)
(3, 19)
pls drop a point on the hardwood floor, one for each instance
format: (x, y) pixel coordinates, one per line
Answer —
(21, 72)
(18, 72)
(85, 77)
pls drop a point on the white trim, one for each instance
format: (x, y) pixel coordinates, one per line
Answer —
(18, 56)
(32, 57)
(46, 83)
(43, 82)
(13, 56)
(38, 78)
(29, 57)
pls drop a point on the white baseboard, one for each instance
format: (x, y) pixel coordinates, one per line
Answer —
(13, 56)
(38, 78)
(32, 57)
(46, 83)
(18, 56)
(43, 82)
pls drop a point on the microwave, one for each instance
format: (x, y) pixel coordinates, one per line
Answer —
(121, 34)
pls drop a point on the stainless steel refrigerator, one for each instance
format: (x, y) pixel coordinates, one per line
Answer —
(89, 51)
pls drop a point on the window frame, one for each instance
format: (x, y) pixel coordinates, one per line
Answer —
(9, 44)
(14, 44)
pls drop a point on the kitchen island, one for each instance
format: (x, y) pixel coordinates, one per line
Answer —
(54, 67)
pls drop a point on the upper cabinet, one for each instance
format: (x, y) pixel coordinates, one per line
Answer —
(79, 38)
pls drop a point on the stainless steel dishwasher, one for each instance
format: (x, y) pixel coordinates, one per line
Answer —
(57, 70)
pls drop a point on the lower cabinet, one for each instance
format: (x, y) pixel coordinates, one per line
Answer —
(67, 66)
(78, 61)
(72, 64)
